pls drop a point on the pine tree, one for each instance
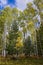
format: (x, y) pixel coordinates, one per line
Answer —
(13, 35)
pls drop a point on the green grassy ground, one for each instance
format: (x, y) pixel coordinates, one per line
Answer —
(24, 61)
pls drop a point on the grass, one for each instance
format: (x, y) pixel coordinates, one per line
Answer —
(22, 61)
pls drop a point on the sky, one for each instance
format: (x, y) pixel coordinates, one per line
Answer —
(20, 4)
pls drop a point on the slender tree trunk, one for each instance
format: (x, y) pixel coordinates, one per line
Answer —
(4, 40)
(36, 44)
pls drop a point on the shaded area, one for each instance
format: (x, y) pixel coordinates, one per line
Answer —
(23, 61)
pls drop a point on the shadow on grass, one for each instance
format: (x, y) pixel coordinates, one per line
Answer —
(21, 61)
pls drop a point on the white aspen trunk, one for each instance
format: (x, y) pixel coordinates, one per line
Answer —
(4, 41)
(3, 53)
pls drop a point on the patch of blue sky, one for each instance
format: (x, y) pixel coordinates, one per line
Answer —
(20, 4)
(11, 2)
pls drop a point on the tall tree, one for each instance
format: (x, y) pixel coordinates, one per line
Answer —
(7, 19)
(30, 15)
(39, 5)
(13, 35)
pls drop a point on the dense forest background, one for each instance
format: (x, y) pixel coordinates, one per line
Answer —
(21, 32)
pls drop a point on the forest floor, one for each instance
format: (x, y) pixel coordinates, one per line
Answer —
(21, 61)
